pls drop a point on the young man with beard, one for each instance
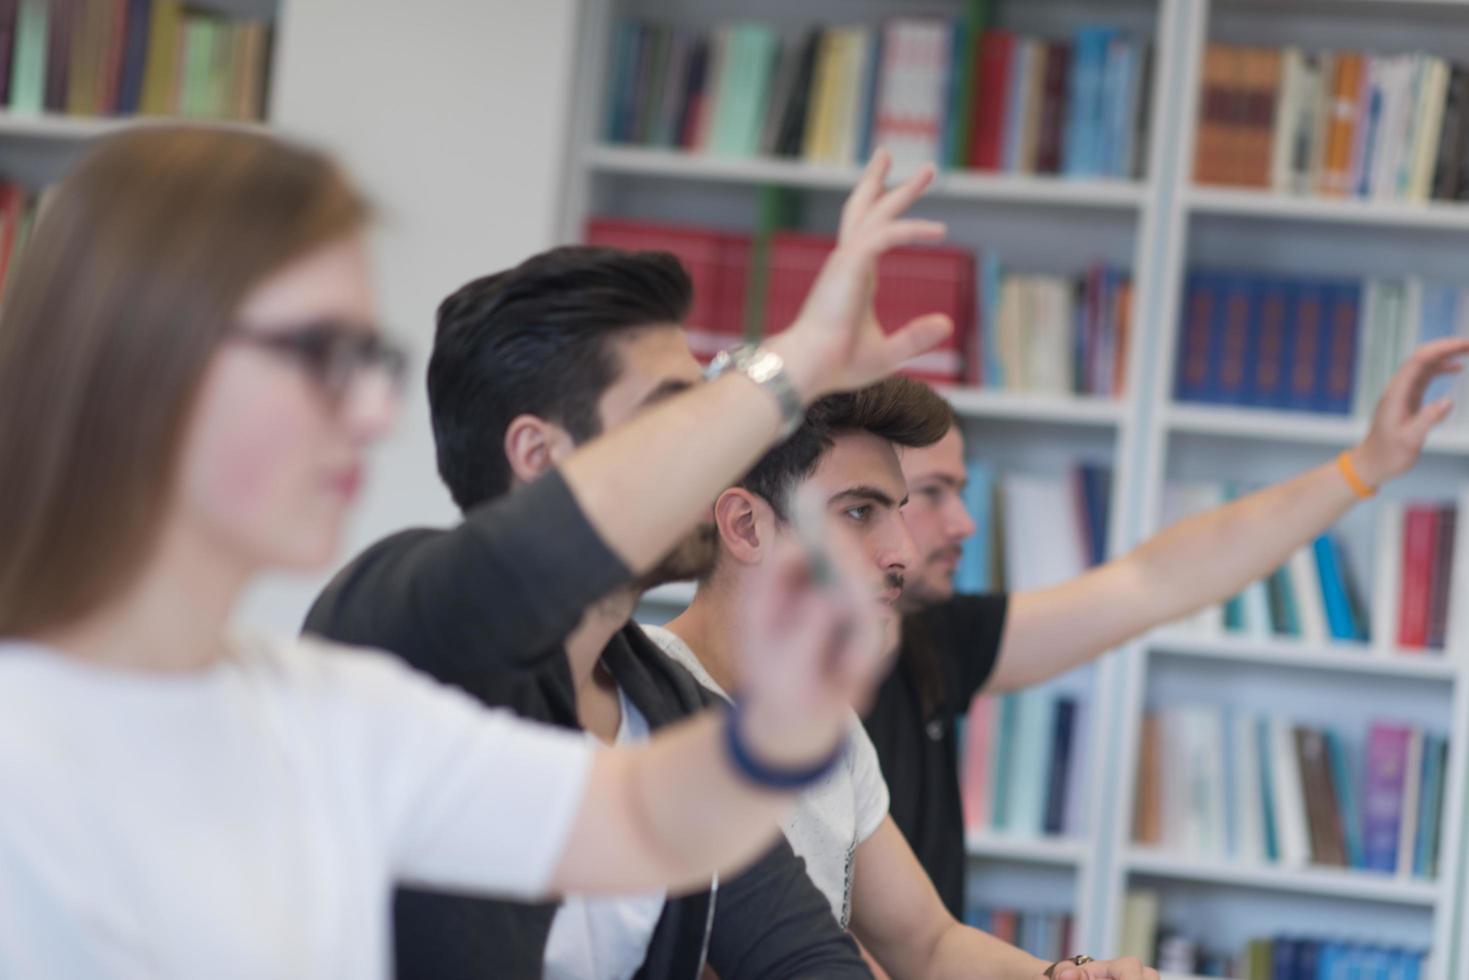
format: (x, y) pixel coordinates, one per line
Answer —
(955, 646)
(845, 459)
(527, 365)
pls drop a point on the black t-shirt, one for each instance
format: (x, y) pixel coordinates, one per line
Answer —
(948, 654)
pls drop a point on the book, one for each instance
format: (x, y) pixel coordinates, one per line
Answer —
(1383, 794)
(1328, 843)
(1411, 801)
(979, 730)
(717, 264)
(27, 89)
(1293, 837)
(1062, 741)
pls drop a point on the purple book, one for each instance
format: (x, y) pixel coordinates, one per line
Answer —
(1382, 794)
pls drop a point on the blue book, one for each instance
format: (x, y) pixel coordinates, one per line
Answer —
(1194, 326)
(1267, 792)
(1277, 313)
(1005, 734)
(1438, 322)
(1113, 106)
(1370, 121)
(622, 103)
(973, 574)
(1097, 492)
(134, 57)
(1285, 952)
(1221, 287)
(1060, 766)
(1330, 965)
(1340, 617)
(1285, 617)
(1348, 805)
(1125, 145)
(1088, 62)
(1430, 807)
(867, 112)
(1032, 755)
(1308, 959)
(991, 281)
(1339, 348)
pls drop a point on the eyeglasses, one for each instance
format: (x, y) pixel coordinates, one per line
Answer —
(334, 355)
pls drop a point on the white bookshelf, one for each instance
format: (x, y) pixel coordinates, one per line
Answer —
(1155, 227)
(1328, 882)
(1052, 851)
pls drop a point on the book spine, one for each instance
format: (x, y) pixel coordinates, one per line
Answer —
(1382, 795)
(1062, 737)
(1440, 577)
(1051, 136)
(1412, 798)
(1419, 536)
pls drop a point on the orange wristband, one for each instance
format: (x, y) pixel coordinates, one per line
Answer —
(1349, 473)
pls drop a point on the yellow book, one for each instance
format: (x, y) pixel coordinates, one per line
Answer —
(161, 69)
(817, 142)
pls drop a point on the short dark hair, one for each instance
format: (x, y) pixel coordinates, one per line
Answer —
(534, 339)
(903, 411)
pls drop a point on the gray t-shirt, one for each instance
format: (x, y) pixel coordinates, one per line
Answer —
(832, 817)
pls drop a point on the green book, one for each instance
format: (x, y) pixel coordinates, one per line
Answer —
(221, 71)
(28, 66)
(744, 90)
(199, 32)
(1000, 774)
(972, 24)
(776, 208)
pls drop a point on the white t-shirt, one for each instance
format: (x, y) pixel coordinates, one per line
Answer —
(249, 819)
(605, 938)
(832, 817)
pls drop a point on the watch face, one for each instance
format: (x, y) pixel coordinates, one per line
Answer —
(764, 367)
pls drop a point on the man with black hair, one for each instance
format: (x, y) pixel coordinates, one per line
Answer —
(529, 364)
(955, 646)
(845, 460)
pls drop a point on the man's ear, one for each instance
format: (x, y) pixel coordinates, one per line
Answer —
(746, 525)
(533, 446)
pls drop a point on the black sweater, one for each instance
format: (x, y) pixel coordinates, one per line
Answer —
(485, 607)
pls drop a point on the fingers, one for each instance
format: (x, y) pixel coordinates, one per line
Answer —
(917, 337)
(868, 189)
(1426, 363)
(1429, 418)
(1126, 968)
(902, 197)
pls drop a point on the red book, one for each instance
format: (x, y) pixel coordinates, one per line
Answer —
(109, 81)
(12, 212)
(991, 80)
(1052, 136)
(1441, 578)
(911, 282)
(1124, 339)
(1420, 538)
(717, 262)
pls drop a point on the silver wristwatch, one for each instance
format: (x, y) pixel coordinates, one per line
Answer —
(768, 370)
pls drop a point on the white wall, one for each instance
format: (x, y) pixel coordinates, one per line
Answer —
(452, 114)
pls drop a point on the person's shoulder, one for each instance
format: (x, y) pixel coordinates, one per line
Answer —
(358, 586)
(311, 664)
(683, 657)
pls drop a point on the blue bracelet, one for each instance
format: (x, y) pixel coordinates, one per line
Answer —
(771, 777)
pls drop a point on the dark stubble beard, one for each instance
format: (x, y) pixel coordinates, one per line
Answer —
(692, 558)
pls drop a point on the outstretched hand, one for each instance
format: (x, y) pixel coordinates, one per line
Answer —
(836, 344)
(1126, 968)
(1401, 422)
(810, 649)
